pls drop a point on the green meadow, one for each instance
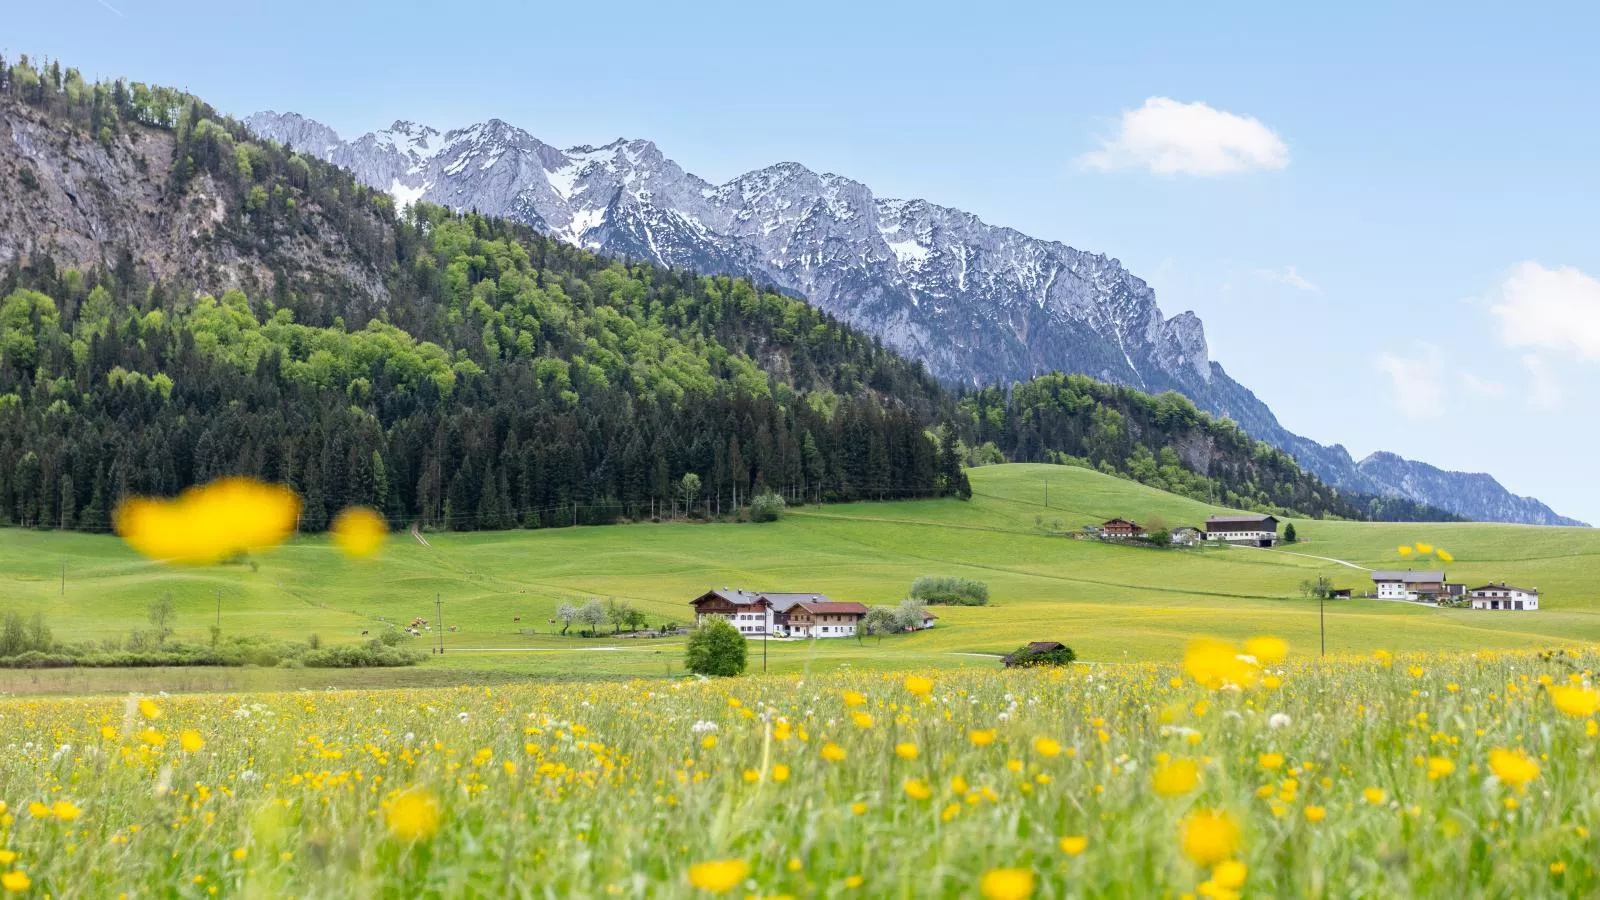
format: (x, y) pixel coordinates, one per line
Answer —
(1110, 603)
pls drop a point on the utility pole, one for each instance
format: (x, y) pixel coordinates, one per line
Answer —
(219, 607)
(438, 619)
(1322, 620)
(1047, 492)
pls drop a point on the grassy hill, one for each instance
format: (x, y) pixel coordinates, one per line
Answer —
(1111, 603)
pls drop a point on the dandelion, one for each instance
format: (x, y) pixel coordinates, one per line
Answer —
(1072, 845)
(1176, 778)
(905, 750)
(780, 773)
(1006, 884)
(1209, 836)
(1578, 702)
(414, 815)
(1513, 767)
(358, 531)
(1557, 867)
(1439, 767)
(861, 719)
(1230, 874)
(15, 881)
(981, 737)
(854, 881)
(209, 523)
(832, 752)
(239, 853)
(38, 810)
(1217, 664)
(191, 741)
(919, 685)
(1046, 747)
(854, 698)
(149, 709)
(718, 876)
(1270, 761)
(858, 808)
(1268, 651)
(65, 810)
(1315, 814)
(709, 741)
(1375, 795)
(917, 789)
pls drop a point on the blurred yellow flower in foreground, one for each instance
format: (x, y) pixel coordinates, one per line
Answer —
(1444, 556)
(191, 741)
(1403, 550)
(149, 709)
(718, 876)
(209, 523)
(1176, 778)
(413, 816)
(1424, 549)
(1209, 836)
(1575, 701)
(1269, 651)
(919, 685)
(359, 531)
(15, 882)
(1006, 884)
(1513, 767)
(1216, 664)
(1073, 844)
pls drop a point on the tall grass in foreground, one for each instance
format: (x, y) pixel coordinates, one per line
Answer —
(1464, 775)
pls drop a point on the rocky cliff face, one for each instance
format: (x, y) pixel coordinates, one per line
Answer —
(977, 303)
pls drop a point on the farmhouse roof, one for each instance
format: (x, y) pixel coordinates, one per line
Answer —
(1407, 577)
(1502, 586)
(732, 595)
(1238, 520)
(829, 607)
(1110, 522)
(783, 601)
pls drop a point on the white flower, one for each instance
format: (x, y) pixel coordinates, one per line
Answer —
(1279, 720)
(702, 726)
(462, 715)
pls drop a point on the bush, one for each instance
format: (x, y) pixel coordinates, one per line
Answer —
(372, 654)
(715, 648)
(1021, 658)
(767, 507)
(950, 591)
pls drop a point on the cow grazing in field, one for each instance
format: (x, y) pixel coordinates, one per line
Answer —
(363, 632)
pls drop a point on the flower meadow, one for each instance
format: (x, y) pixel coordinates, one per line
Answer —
(1233, 774)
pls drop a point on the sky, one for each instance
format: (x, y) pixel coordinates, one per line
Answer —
(1385, 213)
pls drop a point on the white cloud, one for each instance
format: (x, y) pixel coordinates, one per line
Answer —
(1550, 309)
(1482, 387)
(1545, 392)
(1288, 276)
(1416, 389)
(1172, 138)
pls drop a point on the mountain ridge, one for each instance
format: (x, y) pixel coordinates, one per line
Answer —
(977, 303)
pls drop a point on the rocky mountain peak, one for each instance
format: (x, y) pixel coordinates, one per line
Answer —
(977, 303)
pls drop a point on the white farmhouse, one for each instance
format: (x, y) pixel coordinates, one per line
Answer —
(1407, 585)
(1503, 596)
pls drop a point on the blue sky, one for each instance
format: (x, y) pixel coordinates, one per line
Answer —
(1384, 214)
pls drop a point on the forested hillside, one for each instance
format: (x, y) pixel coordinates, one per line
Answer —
(1163, 441)
(182, 300)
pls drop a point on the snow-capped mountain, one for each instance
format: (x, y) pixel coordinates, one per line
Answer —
(976, 302)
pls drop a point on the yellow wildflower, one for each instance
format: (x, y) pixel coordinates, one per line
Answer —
(1209, 836)
(905, 750)
(1513, 767)
(1074, 844)
(919, 685)
(1046, 747)
(358, 531)
(1176, 778)
(414, 815)
(16, 882)
(1006, 884)
(832, 752)
(1578, 702)
(718, 876)
(981, 737)
(190, 740)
